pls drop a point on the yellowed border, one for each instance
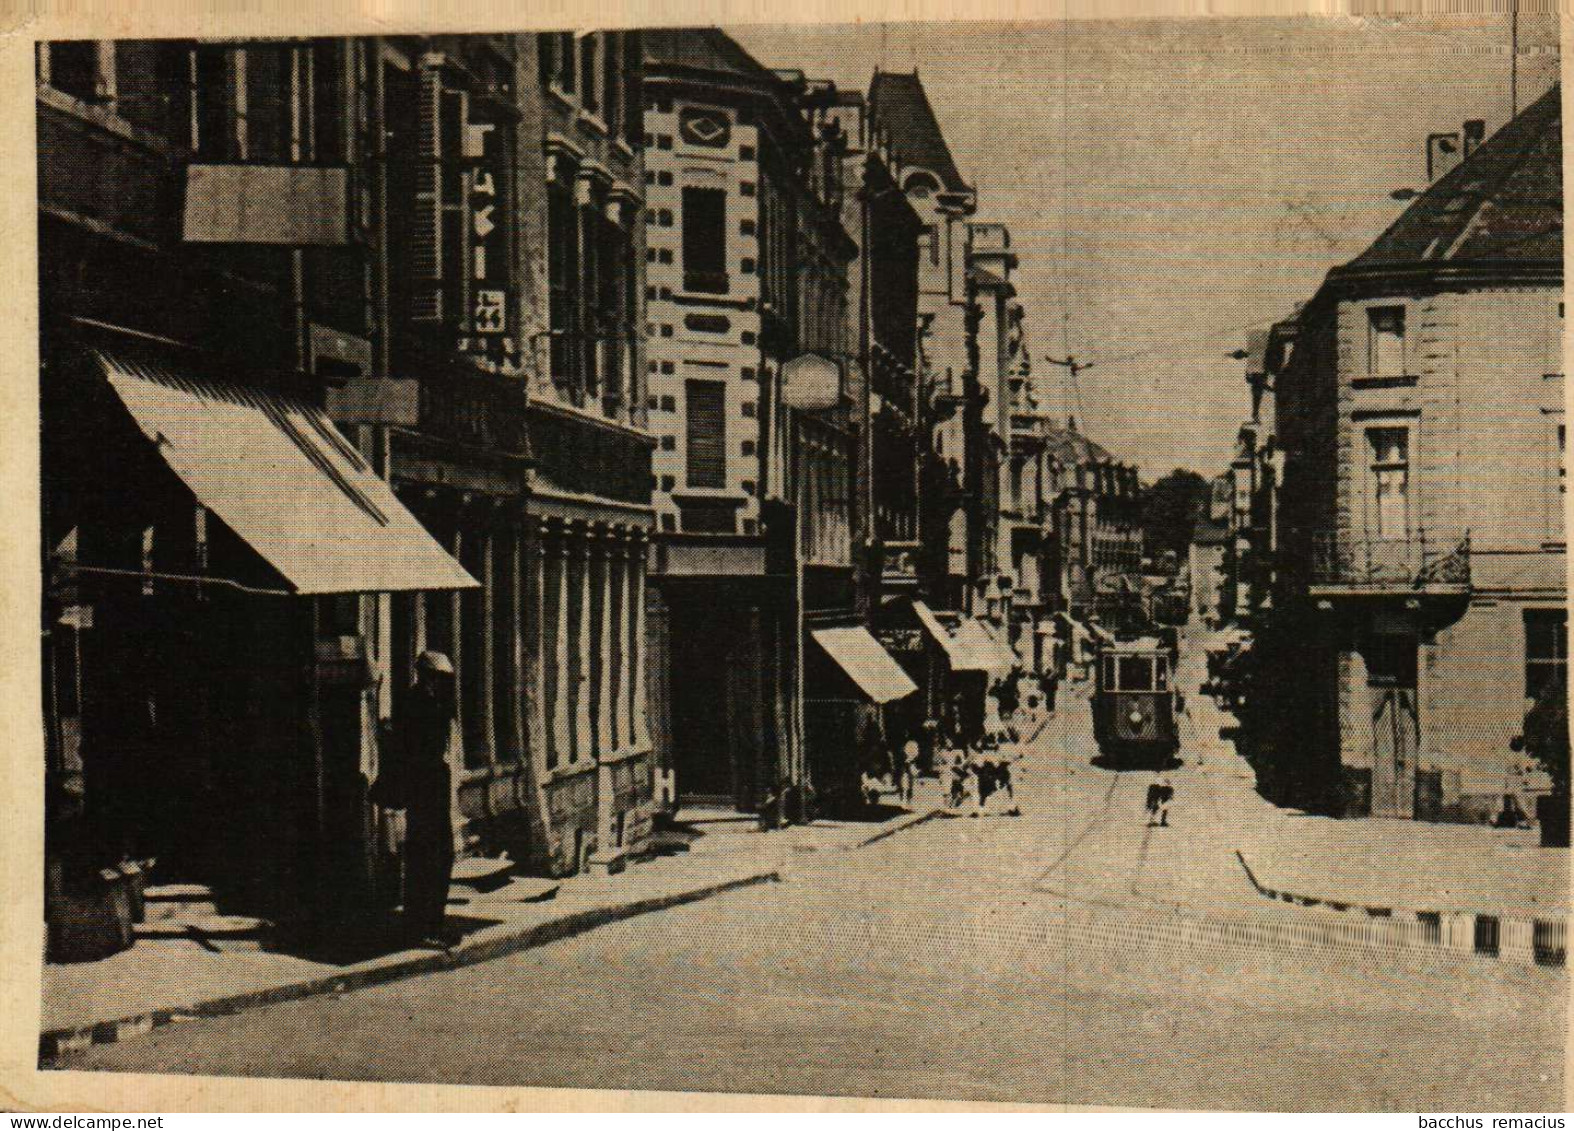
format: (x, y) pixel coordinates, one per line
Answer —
(22, 1087)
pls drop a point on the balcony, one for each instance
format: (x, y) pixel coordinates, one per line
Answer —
(1425, 562)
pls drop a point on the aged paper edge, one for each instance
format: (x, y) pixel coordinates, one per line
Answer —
(22, 23)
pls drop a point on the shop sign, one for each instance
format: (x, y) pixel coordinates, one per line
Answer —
(487, 330)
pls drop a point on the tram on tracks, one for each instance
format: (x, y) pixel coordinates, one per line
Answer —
(1136, 705)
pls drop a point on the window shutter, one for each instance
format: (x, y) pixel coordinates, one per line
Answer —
(427, 239)
(706, 433)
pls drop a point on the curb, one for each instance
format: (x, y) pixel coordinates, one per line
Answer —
(901, 824)
(1539, 941)
(56, 1042)
(891, 828)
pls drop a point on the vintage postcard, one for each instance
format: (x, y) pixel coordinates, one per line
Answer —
(692, 561)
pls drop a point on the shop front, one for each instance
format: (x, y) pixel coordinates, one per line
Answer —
(212, 657)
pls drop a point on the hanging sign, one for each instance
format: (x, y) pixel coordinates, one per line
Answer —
(487, 330)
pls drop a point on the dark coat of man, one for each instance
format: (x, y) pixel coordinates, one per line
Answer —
(424, 728)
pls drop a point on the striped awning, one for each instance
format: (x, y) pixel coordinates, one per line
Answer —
(283, 478)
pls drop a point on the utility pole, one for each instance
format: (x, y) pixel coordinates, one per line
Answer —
(1073, 367)
(1513, 60)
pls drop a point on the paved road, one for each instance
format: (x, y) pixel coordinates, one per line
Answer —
(996, 958)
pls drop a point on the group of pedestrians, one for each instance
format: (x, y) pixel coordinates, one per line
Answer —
(971, 776)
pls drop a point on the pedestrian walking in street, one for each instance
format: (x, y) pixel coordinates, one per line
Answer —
(1049, 684)
(961, 783)
(910, 757)
(984, 775)
(1152, 803)
(423, 733)
(1166, 795)
(1010, 754)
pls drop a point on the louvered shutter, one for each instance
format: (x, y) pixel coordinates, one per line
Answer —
(706, 433)
(427, 239)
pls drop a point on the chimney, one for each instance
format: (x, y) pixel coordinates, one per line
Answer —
(1475, 134)
(1442, 154)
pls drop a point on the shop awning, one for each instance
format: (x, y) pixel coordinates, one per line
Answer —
(867, 664)
(284, 479)
(971, 647)
(980, 651)
(932, 625)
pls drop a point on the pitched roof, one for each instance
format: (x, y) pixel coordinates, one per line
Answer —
(704, 49)
(899, 104)
(1502, 203)
(1072, 448)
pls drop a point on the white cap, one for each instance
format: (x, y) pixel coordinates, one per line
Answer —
(435, 662)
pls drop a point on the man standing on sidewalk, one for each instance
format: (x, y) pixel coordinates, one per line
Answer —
(424, 732)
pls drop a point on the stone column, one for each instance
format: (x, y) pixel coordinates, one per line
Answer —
(584, 740)
(616, 635)
(640, 730)
(628, 689)
(603, 551)
(486, 676)
(516, 643)
(533, 670)
(562, 743)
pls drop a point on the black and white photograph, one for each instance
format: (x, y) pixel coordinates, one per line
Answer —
(945, 561)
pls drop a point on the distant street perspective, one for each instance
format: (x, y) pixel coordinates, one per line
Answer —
(939, 561)
(1075, 954)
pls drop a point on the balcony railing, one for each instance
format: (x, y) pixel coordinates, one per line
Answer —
(1421, 562)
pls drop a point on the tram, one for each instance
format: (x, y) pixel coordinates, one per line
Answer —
(1136, 703)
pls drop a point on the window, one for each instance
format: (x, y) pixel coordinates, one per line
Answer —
(1389, 449)
(633, 113)
(589, 79)
(563, 285)
(707, 433)
(668, 483)
(612, 81)
(565, 61)
(705, 240)
(1546, 650)
(73, 68)
(1385, 355)
(547, 58)
(1136, 673)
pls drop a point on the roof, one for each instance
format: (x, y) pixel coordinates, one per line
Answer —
(704, 49)
(1072, 447)
(901, 107)
(1502, 203)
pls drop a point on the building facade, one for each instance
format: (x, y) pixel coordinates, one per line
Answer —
(1419, 588)
(759, 401)
(443, 332)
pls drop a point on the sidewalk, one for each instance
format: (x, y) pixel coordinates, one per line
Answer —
(163, 980)
(1372, 865)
